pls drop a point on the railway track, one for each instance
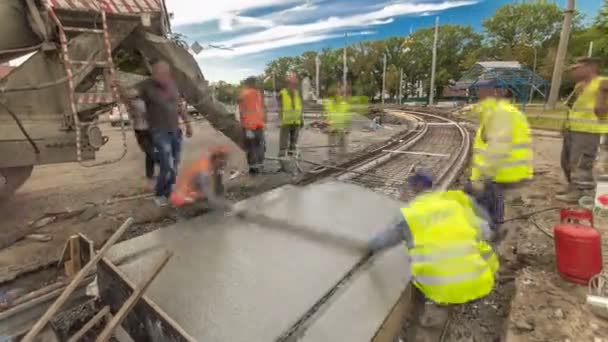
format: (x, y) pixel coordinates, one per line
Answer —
(433, 141)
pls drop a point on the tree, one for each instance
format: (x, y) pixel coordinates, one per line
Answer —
(514, 25)
(457, 48)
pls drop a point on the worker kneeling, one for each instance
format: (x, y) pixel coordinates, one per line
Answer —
(201, 180)
(445, 236)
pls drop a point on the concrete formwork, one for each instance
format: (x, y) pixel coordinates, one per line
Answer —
(231, 280)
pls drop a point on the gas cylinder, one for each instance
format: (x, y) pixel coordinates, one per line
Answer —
(578, 247)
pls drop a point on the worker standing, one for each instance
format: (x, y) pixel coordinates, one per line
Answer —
(502, 156)
(163, 111)
(339, 118)
(253, 121)
(445, 236)
(290, 115)
(587, 121)
(202, 179)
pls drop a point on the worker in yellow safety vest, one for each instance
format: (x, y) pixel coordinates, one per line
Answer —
(445, 235)
(290, 115)
(502, 156)
(587, 120)
(339, 118)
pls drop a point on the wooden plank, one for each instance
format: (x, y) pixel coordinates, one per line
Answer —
(74, 283)
(75, 253)
(135, 296)
(90, 324)
(114, 290)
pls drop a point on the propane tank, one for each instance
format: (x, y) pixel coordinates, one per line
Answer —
(578, 247)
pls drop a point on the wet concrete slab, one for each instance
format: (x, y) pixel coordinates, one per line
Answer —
(358, 312)
(231, 280)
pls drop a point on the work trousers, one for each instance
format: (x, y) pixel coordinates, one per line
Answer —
(288, 139)
(255, 146)
(146, 144)
(579, 151)
(337, 141)
(168, 145)
(491, 199)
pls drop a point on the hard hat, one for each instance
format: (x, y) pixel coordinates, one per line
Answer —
(421, 175)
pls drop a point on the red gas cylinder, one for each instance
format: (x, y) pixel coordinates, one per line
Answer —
(578, 247)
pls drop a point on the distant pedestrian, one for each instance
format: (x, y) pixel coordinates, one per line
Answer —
(162, 99)
(339, 118)
(290, 115)
(587, 120)
(253, 121)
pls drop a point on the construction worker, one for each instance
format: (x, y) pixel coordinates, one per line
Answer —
(339, 119)
(445, 234)
(502, 156)
(201, 180)
(587, 120)
(290, 115)
(253, 121)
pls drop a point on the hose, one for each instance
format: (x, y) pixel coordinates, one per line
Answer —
(27, 136)
(530, 214)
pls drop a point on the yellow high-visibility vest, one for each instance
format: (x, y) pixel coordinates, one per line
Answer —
(581, 117)
(292, 110)
(514, 166)
(450, 263)
(338, 113)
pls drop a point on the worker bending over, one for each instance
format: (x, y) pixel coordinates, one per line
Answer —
(201, 180)
(502, 155)
(339, 118)
(290, 115)
(445, 236)
(253, 121)
(586, 122)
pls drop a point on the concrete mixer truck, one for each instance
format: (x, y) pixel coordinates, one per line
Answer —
(51, 105)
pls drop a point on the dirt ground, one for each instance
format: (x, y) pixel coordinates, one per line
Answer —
(95, 201)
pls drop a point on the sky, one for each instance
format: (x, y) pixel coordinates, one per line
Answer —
(259, 31)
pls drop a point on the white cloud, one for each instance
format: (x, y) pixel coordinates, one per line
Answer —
(289, 35)
(197, 11)
(231, 22)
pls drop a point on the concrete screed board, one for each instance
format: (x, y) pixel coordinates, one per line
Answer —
(230, 280)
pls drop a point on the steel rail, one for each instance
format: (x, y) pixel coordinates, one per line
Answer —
(375, 160)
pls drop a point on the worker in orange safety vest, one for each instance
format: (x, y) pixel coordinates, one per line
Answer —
(253, 121)
(201, 180)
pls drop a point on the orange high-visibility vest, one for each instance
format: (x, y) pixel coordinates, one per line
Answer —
(185, 191)
(251, 105)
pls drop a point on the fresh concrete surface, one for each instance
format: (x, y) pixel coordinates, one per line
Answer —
(235, 281)
(358, 312)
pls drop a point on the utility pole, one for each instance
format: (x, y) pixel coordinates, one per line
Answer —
(344, 73)
(590, 54)
(400, 84)
(562, 49)
(317, 72)
(274, 85)
(432, 90)
(383, 78)
(534, 70)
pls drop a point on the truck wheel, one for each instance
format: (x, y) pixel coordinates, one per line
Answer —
(12, 178)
